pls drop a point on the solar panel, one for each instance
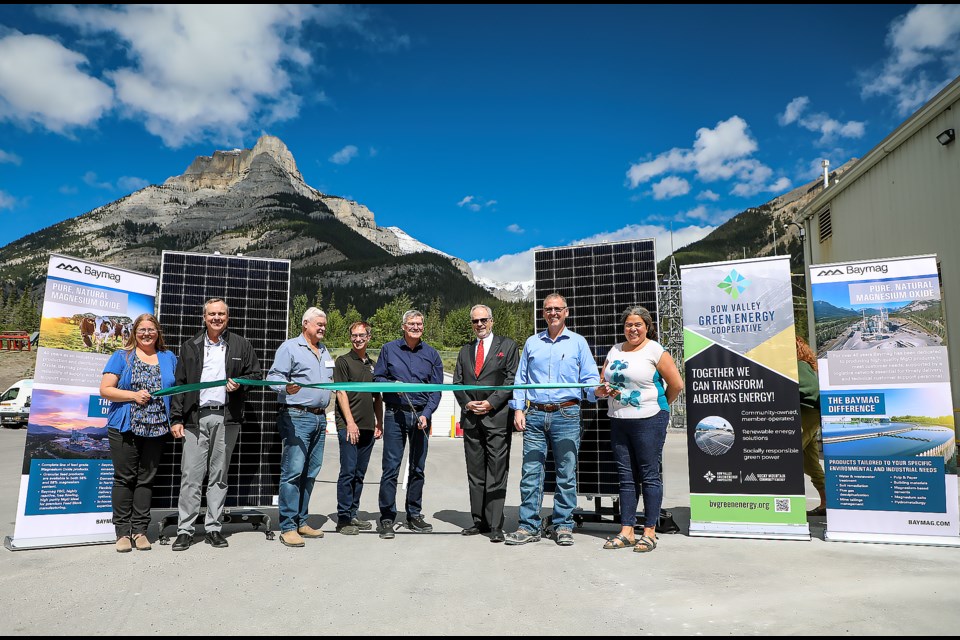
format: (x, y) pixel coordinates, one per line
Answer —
(599, 281)
(257, 290)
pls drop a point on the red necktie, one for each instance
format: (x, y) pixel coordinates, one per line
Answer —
(476, 370)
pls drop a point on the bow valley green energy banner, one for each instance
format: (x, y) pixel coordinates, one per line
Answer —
(743, 402)
(67, 477)
(889, 443)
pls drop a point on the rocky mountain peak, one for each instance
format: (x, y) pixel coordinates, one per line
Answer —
(224, 169)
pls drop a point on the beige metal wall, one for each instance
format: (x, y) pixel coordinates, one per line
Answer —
(907, 204)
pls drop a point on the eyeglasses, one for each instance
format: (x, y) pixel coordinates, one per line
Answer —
(480, 320)
(415, 325)
(554, 309)
(358, 336)
(635, 325)
(146, 332)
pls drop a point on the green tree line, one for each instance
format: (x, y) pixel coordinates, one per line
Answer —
(445, 331)
(18, 312)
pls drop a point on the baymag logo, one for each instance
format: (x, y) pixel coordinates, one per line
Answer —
(831, 272)
(69, 267)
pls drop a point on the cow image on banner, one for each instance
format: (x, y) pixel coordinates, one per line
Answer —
(889, 442)
(743, 401)
(67, 477)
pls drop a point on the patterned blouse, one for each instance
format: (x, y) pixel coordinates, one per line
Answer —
(150, 420)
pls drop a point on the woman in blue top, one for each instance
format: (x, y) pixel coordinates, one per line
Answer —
(640, 380)
(136, 424)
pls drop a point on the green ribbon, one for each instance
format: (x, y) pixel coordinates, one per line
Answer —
(368, 387)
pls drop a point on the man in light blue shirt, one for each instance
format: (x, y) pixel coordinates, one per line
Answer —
(552, 416)
(302, 423)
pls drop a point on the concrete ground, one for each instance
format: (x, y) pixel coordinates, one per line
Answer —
(443, 583)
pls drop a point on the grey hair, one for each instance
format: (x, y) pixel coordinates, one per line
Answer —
(211, 301)
(481, 306)
(644, 315)
(413, 313)
(555, 295)
(311, 312)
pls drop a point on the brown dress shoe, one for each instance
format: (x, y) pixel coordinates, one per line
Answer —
(123, 544)
(307, 531)
(291, 539)
(140, 541)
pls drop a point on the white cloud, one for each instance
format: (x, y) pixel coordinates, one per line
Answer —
(373, 152)
(41, 84)
(9, 158)
(198, 71)
(131, 183)
(670, 187)
(67, 190)
(924, 56)
(90, 179)
(793, 110)
(721, 153)
(345, 155)
(472, 203)
(829, 128)
(708, 195)
(7, 201)
(518, 267)
(515, 228)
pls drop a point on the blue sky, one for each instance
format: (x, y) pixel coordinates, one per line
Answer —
(482, 131)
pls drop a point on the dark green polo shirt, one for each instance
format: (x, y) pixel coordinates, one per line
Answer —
(350, 368)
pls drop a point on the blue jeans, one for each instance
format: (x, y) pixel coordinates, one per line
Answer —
(637, 445)
(303, 435)
(398, 425)
(353, 466)
(561, 429)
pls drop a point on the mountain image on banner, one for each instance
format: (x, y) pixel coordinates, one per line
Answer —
(254, 202)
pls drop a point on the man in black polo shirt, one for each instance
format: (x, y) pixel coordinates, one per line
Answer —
(359, 424)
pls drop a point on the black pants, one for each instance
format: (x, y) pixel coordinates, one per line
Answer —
(487, 452)
(135, 461)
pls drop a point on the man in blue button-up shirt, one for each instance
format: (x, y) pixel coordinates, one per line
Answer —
(302, 423)
(551, 416)
(407, 415)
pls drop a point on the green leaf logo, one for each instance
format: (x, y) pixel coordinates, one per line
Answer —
(734, 284)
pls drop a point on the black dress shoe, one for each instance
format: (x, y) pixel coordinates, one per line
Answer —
(216, 540)
(183, 542)
(470, 531)
(496, 535)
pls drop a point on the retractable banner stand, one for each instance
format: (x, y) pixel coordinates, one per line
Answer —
(743, 402)
(88, 311)
(889, 442)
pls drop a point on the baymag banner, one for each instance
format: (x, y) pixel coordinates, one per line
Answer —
(889, 442)
(743, 401)
(67, 477)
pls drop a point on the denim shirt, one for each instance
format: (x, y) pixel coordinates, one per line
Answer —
(544, 361)
(400, 363)
(297, 363)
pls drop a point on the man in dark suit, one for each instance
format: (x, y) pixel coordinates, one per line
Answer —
(487, 420)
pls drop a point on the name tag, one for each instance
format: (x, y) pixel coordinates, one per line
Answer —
(328, 364)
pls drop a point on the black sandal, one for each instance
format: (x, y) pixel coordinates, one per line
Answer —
(645, 544)
(618, 541)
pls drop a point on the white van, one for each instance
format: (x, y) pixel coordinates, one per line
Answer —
(15, 404)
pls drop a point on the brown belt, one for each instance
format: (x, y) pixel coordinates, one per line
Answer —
(550, 408)
(295, 407)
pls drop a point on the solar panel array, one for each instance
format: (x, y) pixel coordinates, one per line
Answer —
(599, 281)
(257, 290)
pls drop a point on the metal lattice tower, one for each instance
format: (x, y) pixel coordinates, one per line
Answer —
(671, 334)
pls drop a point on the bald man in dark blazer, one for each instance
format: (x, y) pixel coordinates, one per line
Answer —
(487, 420)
